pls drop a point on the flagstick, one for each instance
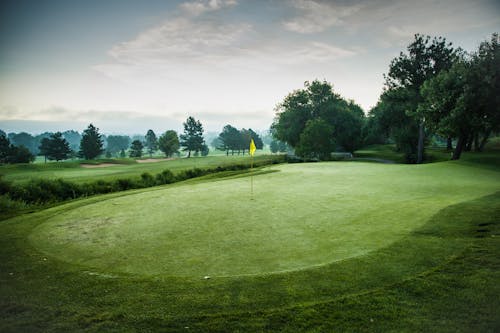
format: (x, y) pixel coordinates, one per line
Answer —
(251, 179)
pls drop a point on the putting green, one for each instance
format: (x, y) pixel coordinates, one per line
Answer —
(302, 216)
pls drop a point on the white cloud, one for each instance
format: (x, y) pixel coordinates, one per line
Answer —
(316, 16)
(197, 8)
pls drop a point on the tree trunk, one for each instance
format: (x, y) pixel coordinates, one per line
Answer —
(468, 144)
(189, 153)
(460, 145)
(476, 141)
(420, 148)
(484, 140)
(449, 144)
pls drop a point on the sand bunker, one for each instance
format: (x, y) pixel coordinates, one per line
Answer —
(153, 160)
(101, 165)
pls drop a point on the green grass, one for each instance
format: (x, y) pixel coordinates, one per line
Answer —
(72, 171)
(323, 247)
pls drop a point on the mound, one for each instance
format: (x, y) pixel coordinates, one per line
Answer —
(303, 216)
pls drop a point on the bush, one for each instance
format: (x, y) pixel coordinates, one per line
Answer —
(147, 180)
(166, 177)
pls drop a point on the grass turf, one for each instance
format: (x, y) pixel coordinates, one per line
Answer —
(423, 277)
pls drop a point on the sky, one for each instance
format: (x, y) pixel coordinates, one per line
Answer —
(132, 65)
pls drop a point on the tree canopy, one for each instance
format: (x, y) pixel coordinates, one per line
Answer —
(318, 101)
(91, 143)
(169, 143)
(192, 138)
(56, 147)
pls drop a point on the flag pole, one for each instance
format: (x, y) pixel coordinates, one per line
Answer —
(251, 150)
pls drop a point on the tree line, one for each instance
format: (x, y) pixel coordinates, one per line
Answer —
(92, 144)
(437, 89)
(431, 90)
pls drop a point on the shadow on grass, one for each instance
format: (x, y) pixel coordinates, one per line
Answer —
(441, 277)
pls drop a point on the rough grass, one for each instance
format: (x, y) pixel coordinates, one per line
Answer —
(436, 274)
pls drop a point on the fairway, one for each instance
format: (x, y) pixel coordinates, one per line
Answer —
(301, 216)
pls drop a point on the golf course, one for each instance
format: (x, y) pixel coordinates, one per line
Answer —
(327, 246)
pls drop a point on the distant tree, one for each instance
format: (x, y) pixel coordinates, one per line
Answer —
(91, 143)
(229, 139)
(20, 154)
(24, 139)
(204, 150)
(122, 153)
(55, 148)
(117, 143)
(169, 143)
(2, 133)
(73, 138)
(274, 146)
(316, 140)
(4, 148)
(136, 148)
(192, 138)
(151, 142)
(10, 153)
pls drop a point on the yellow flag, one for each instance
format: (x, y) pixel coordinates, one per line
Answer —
(252, 147)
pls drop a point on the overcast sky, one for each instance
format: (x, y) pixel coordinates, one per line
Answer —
(131, 65)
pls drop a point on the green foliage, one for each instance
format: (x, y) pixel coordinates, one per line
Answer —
(318, 101)
(55, 147)
(11, 154)
(91, 144)
(169, 143)
(192, 138)
(136, 149)
(316, 140)
(151, 142)
(117, 143)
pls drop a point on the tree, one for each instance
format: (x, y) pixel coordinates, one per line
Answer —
(192, 138)
(14, 154)
(55, 147)
(463, 102)
(151, 142)
(229, 139)
(316, 140)
(318, 101)
(91, 143)
(24, 139)
(424, 60)
(117, 143)
(169, 143)
(274, 146)
(73, 138)
(136, 148)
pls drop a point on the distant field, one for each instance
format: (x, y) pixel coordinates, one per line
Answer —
(338, 246)
(73, 171)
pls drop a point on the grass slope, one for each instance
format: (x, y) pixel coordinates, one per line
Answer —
(436, 271)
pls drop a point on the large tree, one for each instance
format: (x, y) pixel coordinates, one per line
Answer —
(316, 140)
(91, 143)
(318, 101)
(151, 142)
(424, 59)
(169, 143)
(463, 102)
(229, 139)
(192, 138)
(55, 147)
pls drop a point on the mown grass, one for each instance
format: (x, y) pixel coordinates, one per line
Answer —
(72, 171)
(438, 275)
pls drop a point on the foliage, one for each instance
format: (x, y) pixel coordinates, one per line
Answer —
(424, 59)
(151, 142)
(316, 140)
(91, 144)
(10, 154)
(192, 138)
(136, 148)
(318, 101)
(24, 139)
(168, 143)
(232, 139)
(55, 147)
(117, 143)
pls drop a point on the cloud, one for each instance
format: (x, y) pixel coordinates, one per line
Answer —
(317, 16)
(197, 8)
